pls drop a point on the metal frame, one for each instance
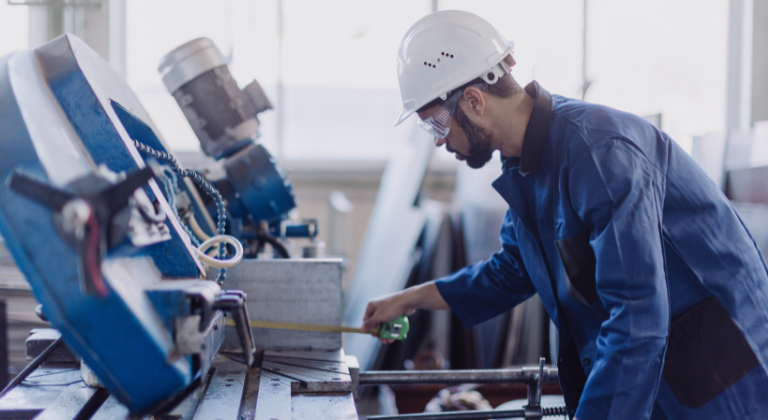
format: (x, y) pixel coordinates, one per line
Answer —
(533, 377)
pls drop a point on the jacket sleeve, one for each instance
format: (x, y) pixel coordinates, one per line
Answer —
(489, 288)
(618, 193)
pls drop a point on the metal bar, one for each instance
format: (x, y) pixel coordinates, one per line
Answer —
(489, 376)
(534, 390)
(45, 355)
(456, 415)
(484, 414)
(92, 405)
(3, 344)
(274, 398)
(235, 306)
(225, 391)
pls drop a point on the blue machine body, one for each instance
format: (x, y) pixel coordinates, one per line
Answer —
(63, 113)
(262, 187)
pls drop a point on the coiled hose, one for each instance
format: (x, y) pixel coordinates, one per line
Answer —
(200, 181)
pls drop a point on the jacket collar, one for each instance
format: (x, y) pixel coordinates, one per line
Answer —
(535, 132)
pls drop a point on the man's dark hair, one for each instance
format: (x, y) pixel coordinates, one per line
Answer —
(505, 87)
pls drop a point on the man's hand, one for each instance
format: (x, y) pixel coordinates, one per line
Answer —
(384, 309)
(390, 307)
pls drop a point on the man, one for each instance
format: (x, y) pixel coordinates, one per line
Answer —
(658, 291)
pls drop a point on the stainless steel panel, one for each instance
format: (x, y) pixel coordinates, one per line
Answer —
(300, 290)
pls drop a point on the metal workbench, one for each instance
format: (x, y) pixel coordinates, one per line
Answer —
(290, 385)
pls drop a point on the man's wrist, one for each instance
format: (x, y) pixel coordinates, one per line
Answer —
(423, 296)
(411, 298)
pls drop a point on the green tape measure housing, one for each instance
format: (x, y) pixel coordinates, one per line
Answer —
(395, 330)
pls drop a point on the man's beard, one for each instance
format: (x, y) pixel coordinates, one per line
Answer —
(478, 138)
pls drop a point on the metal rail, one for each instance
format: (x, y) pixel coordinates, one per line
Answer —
(526, 375)
(458, 415)
(532, 376)
(471, 415)
(42, 358)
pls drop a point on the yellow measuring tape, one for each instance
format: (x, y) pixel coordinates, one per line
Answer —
(304, 327)
(396, 330)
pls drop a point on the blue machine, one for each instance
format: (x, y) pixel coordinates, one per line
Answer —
(88, 222)
(224, 118)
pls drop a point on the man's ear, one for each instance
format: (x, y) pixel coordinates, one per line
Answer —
(475, 100)
(510, 60)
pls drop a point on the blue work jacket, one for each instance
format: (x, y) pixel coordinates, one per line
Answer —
(658, 291)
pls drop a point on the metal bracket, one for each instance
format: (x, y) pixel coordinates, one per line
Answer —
(533, 409)
(233, 302)
(86, 215)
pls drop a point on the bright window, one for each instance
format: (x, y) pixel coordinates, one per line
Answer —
(645, 57)
(340, 94)
(14, 28)
(339, 83)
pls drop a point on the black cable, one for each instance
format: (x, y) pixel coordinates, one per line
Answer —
(275, 244)
(39, 360)
(203, 183)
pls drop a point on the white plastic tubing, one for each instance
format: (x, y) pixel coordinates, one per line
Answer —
(215, 240)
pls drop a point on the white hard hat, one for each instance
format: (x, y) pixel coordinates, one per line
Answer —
(445, 50)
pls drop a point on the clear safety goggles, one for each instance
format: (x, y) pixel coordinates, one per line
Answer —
(439, 123)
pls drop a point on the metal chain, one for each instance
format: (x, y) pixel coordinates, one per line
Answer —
(171, 189)
(203, 183)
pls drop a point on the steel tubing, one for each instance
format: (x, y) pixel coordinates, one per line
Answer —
(524, 375)
(456, 415)
(480, 414)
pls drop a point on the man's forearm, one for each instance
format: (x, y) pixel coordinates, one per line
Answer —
(424, 296)
(388, 308)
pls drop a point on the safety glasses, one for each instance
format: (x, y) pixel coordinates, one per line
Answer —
(439, 123)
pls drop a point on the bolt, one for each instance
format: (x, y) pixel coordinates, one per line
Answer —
(74, 216)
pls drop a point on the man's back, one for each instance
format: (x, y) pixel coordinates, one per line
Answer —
(716, 276)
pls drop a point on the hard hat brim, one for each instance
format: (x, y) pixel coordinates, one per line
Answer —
(404, 114)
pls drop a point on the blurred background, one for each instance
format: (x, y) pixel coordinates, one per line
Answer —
(329, 66)
(698, 69)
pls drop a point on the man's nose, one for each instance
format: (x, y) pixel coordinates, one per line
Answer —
(439, 142)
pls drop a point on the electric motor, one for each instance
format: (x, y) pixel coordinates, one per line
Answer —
(223, 117)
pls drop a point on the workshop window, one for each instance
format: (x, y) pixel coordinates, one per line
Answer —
(14, 28)
(644, 57)
(337, 67)
(331, 74)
